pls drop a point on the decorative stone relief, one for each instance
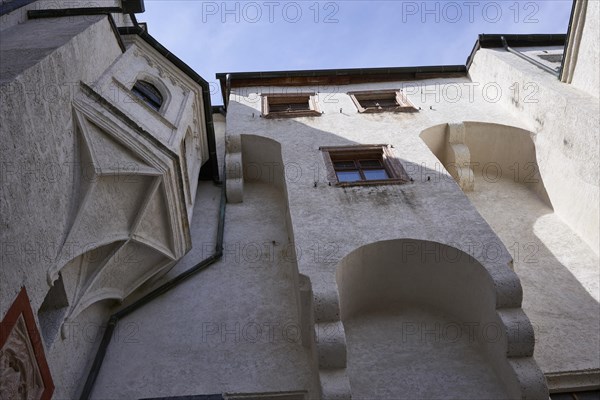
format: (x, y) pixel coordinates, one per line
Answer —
(127, 225)
(162, 72)
(20, 376)
(158, 64)
(24, 373)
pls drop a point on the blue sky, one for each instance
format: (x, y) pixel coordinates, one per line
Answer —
(219, 36)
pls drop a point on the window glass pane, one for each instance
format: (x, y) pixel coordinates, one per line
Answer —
(383, 103)
(344, 164)
(375, 174)
(348, 176)
(370, 164)
(149, 93)
(287, 107)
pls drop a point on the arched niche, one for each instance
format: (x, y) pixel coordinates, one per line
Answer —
(421, 322)
(386, 275)
(494, 151)
(262, 160)
(252, 158)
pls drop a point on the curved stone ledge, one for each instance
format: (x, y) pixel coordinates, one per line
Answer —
(330, 339)
(530, 377)
(519, 332)
(335, 385)
(509, 292)
(326, 304)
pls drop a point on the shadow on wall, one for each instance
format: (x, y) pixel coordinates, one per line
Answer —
(548, 256)
(444, 292)
(266, 160)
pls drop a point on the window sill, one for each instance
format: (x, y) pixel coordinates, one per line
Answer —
(388, 109)
(373, 183)
(292, 114)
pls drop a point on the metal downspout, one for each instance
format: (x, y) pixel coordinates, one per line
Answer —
(114, 319)
(527, 58)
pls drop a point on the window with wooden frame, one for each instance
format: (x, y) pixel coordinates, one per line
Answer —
(374, 101)
(284, 105)
(363, 165)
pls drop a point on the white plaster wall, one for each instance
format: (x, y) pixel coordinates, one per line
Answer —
(233, 328)
(38, 148)
(497, 151)
(38, 151)
(51, 165)
(559, 273)
(140, 61)
(548, 256)
(329, 222)
(565, 122)
(585, 75)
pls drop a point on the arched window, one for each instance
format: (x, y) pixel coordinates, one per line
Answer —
(149, 93)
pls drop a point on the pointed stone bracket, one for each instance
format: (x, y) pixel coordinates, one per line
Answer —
(129, 218)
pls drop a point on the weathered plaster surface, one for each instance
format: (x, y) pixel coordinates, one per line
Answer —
(433, 351)
(86, 194)
(232, 328)
(559, 274)
(329, 222)
(585, 74)
(38, 185)
(565, 123)
(273, 314)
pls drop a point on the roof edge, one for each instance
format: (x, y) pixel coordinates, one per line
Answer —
(342, 72)
(329, 77)
(519, 40)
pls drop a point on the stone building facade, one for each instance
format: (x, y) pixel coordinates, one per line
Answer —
(422, 232)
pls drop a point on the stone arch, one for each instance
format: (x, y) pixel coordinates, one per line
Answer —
(428, 311)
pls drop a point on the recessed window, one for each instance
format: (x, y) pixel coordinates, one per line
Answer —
(148, 93)
(361, 165)
(289, 105)
(374, 101)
